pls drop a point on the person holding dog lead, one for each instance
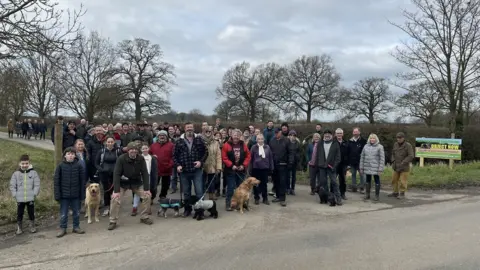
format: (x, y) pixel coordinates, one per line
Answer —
(236, 157)
(283, 160)
(130, 173)
(327, 160)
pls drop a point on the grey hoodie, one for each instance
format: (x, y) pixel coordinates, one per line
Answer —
(25, 185)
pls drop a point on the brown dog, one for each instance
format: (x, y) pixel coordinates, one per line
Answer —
(241, 196)
(92, 202)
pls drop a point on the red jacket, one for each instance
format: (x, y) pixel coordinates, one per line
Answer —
(228, 157)
(164, 153)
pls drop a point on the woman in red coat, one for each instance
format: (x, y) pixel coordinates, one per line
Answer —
(163, 150)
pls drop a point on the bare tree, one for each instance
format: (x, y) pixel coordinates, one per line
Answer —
(226, 109)
(251, 85)
(471, 105)
(148, 78)
(370, 98)
(311, 84)
(13, 90)
(422, 101)
(33, 25)
(89, 69)
(42, 76)
(111, 102)
(442, 48)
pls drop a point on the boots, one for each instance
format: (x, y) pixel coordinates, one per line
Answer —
(367, 191)
(377, 192)
(33, 229)
(211, 196)
(19, 228)
(187, 210)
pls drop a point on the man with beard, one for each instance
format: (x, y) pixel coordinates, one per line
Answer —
(189, 155)
(355, 147)
(285, 129)
(163, 150)
(130, 173)
(283, 159)
(144, 133)
(328, 158)
(94, 146)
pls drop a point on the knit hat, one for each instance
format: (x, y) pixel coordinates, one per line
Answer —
(278, 130)
(162, 133)
(132, 145)
(327, 131)
(292, 132)
(400, 135)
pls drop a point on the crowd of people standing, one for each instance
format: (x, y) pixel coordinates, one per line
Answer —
(140, 157)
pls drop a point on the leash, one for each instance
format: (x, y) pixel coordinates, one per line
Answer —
(181, 188)
(206, 190)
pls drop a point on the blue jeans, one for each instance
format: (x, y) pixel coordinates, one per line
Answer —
(328, 178)
(234, 179)
(376, 178)
(292, 178)
(65, 204)
(187, 178)
(354, 171)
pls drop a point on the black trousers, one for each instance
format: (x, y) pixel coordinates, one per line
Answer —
(341, 173)
(164, 182)
(21, 210)
(42, 135)
(107, 182)
(261, 175)
(279, 178)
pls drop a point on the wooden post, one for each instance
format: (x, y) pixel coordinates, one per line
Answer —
(422, 161)
(450, 161)
(58, 142)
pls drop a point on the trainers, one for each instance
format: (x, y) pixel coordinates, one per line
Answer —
(266, 202)
(33, 229)
(173, 191)
(106, 212)
(147, 221)
(19, 229)
(401, 196)
(134, 212)
(257, 201)
(112, 226)
(78, 231)
(61, 233)
(344, 197)
(292, 192)
(276, 200)
(229, 209)
(283, 203)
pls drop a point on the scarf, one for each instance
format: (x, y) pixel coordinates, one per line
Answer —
(261, 151)
(148, 160)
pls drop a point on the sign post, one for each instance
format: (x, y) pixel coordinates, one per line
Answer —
(438, 148)
(58, 136)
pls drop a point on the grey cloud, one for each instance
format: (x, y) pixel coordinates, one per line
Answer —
(356, 33)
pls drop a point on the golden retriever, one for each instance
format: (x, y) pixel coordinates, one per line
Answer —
(92, 202)
(241, 196)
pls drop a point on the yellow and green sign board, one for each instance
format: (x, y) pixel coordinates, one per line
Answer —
(438, 148)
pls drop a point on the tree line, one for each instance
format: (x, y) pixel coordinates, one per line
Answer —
(46, 66)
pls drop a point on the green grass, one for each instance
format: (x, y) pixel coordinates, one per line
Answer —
(4, 129)
(43, 162)
(429, 177)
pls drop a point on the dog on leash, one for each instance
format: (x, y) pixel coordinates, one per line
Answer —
(166, 204)
(92, 202)
(200, 206)
(327, 197)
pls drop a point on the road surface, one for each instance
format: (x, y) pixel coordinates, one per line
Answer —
(427, 231)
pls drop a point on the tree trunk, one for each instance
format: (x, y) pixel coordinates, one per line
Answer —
(253, 112)
(309, 115)
(138, 109)
(371, 118)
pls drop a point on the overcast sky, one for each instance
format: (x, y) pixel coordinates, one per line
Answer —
(204, 38)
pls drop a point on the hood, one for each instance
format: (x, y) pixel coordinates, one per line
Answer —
(30, 167)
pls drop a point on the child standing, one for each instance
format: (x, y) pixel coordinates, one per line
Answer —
(69, 190)
(25, 186)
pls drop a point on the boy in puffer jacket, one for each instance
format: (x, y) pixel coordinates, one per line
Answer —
(25, 186)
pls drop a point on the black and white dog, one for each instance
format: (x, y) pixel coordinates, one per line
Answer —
(166, 204)
(199, 206)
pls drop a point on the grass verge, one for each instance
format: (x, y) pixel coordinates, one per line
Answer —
(429, 177)
(43, 162)
(4, 129)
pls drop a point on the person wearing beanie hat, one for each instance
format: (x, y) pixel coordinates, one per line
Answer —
(163, 150)
(402, 155)
(130, 173)
(69, 190)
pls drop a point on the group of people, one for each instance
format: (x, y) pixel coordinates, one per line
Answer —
(145, 156)
(27, 128)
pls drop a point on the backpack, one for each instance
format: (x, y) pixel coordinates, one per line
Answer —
(117, 150)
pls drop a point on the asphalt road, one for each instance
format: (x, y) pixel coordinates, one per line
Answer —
(428, 231)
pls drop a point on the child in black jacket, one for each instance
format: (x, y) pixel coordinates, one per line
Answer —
(69, 190)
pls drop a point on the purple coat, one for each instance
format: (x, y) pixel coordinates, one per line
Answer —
(257, 162)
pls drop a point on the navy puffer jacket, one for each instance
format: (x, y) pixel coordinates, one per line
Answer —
(69, 181)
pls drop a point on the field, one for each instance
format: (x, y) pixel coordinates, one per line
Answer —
(429, 177)
(42, 161)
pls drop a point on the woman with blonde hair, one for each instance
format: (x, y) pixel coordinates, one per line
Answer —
(372, 164)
